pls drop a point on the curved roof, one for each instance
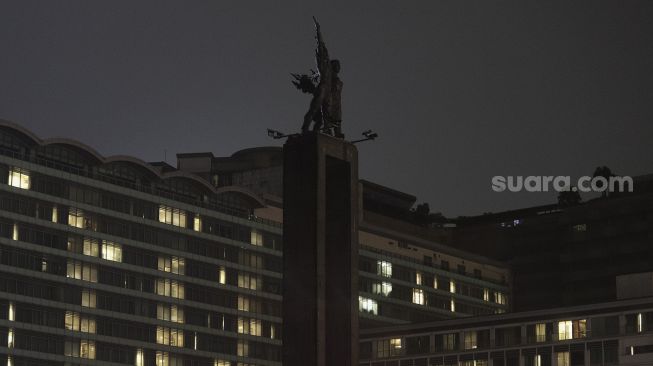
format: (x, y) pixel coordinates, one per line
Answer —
(248, 194)
(97, 158)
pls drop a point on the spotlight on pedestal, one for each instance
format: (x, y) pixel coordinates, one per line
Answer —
(369, 135)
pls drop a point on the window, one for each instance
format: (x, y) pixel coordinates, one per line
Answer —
(540, 332)
(640, 323)
(243, 303)
(418, 296)
(170, 312)
(445, 265)
(563, 358)
(76, 322)
(76, 218)
(564, 330)
(172, 264)
(418, 278)
(111, 251)
(453, 305)
(384, 268)
(165, 359)
(256, 238)
(83, 348)
(222, 275)
(569, 329)
(89, 299)
(55, 214)
(221, 363)
(11, 316)
(140, 358)
(248, 280)
(452, 287)
(81, 271)
(172, 216)
(366, 305)
(18, 178)
(486, 294)
(449, 342)
(471, 340)
(383, 288)
(169, 336)
(197, 223)
(171, 288)
(273, 331)
(499, 298)
(243, 348)
(249, 326)
(10, 338)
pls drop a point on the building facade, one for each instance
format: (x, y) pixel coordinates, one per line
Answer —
(114, 261)
(614, 333)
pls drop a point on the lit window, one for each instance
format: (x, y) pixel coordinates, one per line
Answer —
(395, 343)
(222, 275)
(165, 359)
(111, 251)
(81, 271)
(499, 298)
(172, 264)
(452, 287)
(243, 348)
(172, 216)
(89, 299)
(563, 358)
(10, 361)
(249, 326)
(221, 363)
(74, 321)
(243, 303)
(169, 336)
(18, 178)
(76, 218)
(10, 338)
(83, 348)
(453, 305)
(197, 223)
(273, 331)
(366, 305)
(537, 361)
(471, 340)
(250, 281)
(384, 269)
(383, 288)
(540, 332)
(171, 288)
(11, 316)
(14, 232)
(418, 278)
(486, 294)
(640, 323)
(435, 282)
(418, 296)
(140, 358)
(55, 214)
(172, 313)
(256, 238)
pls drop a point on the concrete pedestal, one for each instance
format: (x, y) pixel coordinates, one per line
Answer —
(320, 283)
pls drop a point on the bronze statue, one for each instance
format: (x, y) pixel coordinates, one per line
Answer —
(326, 88)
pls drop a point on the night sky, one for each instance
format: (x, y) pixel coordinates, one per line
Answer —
(459, 91)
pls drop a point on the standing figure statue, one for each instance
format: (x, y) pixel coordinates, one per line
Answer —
(326, 88)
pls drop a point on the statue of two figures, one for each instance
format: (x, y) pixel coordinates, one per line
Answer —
(326, 88)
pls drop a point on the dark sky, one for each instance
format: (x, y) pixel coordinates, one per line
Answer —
(459, 91)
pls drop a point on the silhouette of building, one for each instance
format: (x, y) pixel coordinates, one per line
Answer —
(111, 260)
(565, 256)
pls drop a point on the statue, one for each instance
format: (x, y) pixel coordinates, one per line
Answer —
(326, 88)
